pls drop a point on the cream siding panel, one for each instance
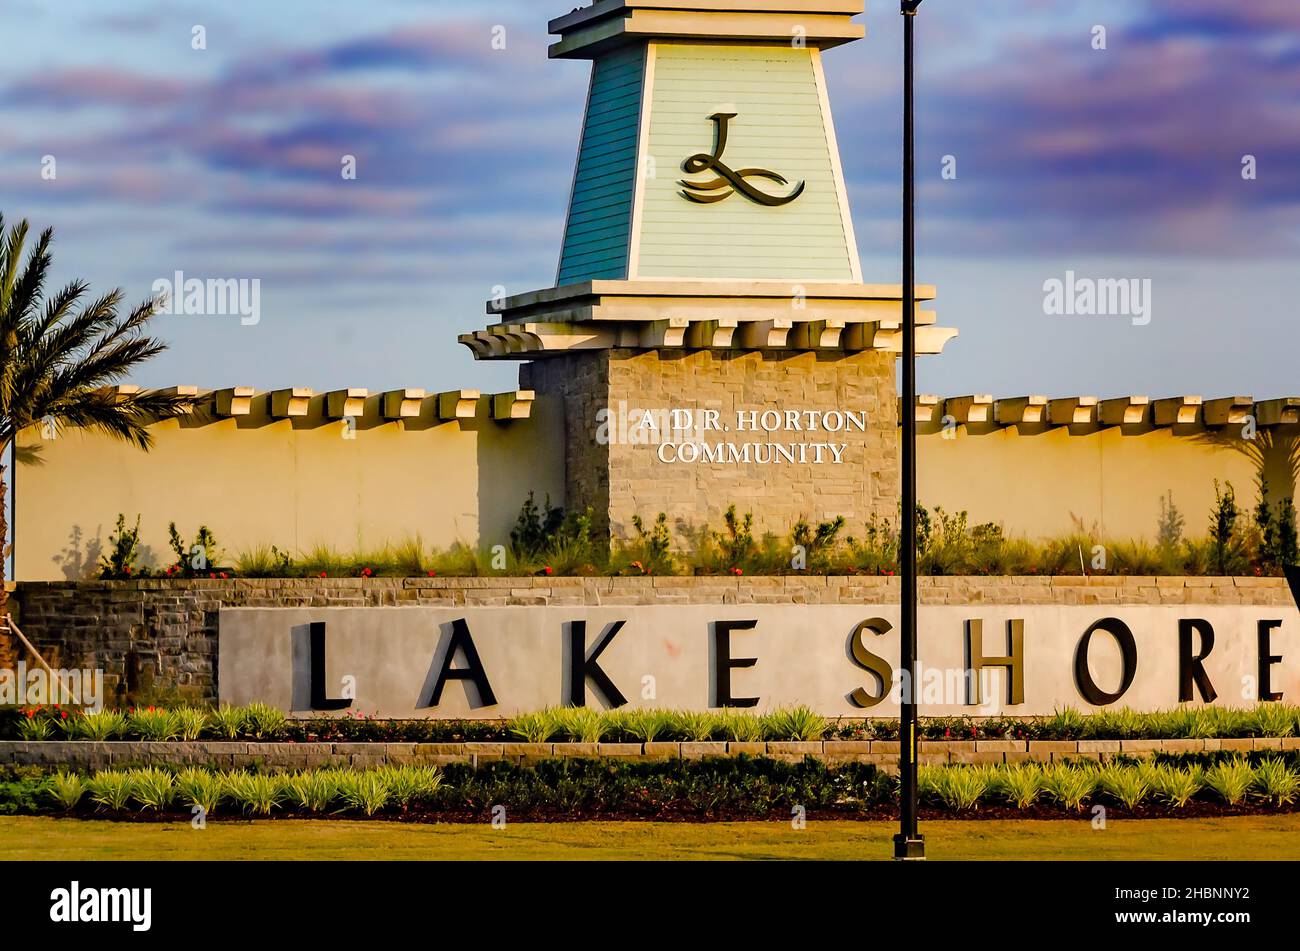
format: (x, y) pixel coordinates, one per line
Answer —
(779, 126)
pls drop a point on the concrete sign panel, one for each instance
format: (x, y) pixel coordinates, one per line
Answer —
(841, 660)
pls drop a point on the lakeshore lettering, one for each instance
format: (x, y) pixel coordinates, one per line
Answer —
(841, 659)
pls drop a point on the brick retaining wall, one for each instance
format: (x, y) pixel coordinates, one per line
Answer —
(158, 638)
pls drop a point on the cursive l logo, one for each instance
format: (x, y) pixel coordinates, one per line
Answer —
(729, 181)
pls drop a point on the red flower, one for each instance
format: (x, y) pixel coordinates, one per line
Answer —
(433, 574)
(737, 571)
(322, 574)
(224, 575)
(548, 570)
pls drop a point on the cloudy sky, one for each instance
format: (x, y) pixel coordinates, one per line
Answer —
(1120, 163)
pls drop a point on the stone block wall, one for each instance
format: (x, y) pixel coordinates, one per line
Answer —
(620, 478)
(86, 755)
(157, 639)
(580, 385)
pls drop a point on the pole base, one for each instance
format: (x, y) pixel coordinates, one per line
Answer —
(908, 849)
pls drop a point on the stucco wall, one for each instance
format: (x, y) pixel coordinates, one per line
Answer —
(1038, 484)
(296, 484)
(290, 483)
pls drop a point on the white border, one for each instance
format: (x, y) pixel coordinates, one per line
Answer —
(642, 147)
(837, 166)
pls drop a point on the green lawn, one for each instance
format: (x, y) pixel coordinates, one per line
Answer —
(35, 838)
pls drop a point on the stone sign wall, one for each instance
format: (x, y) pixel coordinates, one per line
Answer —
(158, 639)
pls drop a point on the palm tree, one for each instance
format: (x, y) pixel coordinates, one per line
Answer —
(60, 356)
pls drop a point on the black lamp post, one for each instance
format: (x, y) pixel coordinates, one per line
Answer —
(909, 844)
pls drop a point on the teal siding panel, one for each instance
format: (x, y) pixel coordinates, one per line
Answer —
(599, 222)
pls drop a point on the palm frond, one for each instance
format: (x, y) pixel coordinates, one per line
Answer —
(60, 357)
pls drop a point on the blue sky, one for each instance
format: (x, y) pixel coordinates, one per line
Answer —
(1123, 162)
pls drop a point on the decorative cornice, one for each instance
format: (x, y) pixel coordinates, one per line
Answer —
(1080, 415)
(414, 409)
(702, 315)
(589, 31)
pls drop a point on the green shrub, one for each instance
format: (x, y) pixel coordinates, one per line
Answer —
(651, 551)
(1069, 785)
(736, 544)
(1272, 719)
(313, 790)
(647, 726)
(742, 727)
(410, 558)
(66, 789)
(1227, 548)
(1175, 785)
(227, 722)
(817, 544)
(1020, 785)
(152, 788)
(110, 789)
(580, 724)
(190, 722)
(1230, 780)
(961, 787)
(35, 728)
(366, 792)
(411, 784)
(1123, 783)
(695, 727)
(100, 726)
(199, 787)
(794, 723)
(123, 550)
(1276, 782)
(1066, 722)
(1123, 722)
(256, 793)
(264, 561)
(540, 727)
(154, 724)
(194, 559)
(264, 722)
(535, 529)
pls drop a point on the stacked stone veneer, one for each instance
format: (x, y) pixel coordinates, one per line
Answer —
(159, 638)
(79, 754)
(618, 480)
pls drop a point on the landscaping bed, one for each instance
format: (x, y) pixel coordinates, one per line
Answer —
(681, 790)
(260, 723)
